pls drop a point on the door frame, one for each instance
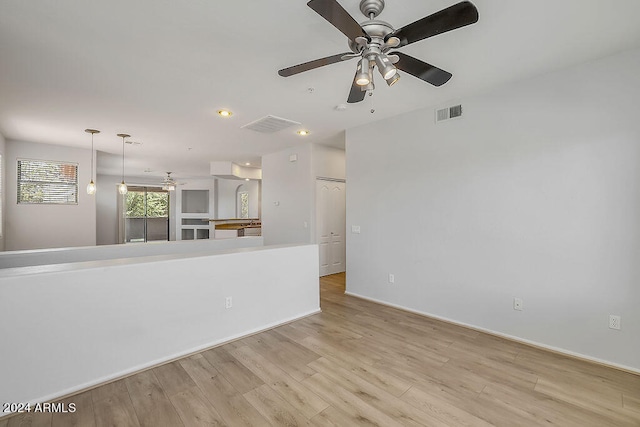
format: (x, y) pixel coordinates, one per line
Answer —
(122, 232)
(316, 218)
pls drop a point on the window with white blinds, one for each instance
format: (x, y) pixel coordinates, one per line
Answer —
(47, 182)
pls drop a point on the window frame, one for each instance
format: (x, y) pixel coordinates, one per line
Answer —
(19, 194)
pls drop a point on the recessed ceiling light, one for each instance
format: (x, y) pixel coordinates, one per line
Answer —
(225, 113)
(247, 164)
(303, 132)
(247, 179)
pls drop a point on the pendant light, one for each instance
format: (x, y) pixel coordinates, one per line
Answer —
(122, 188)
(91, 187)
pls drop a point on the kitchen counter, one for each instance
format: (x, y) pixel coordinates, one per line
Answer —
(236, 227)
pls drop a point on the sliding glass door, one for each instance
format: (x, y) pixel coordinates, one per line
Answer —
(146, 214)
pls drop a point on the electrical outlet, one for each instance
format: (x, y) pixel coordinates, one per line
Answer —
(392, 278)
(614, 322)
(517, 304)
(355, 229)
(228, 302)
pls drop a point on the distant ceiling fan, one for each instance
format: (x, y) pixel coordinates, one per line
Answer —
(169, 184)
(372, 41)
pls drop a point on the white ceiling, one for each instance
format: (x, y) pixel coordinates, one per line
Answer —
(159, 70)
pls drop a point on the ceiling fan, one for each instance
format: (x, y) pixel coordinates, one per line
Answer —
(169, 184)
(373, 40)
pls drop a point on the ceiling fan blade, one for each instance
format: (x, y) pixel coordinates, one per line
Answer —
(422, 70)
(456, 16)
(356, 94)
(290, 71)
(338, 17)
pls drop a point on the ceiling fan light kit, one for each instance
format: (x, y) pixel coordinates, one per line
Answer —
(362, 73)
(393, 80)
(372, 41)
(385, 66)
(168, 184)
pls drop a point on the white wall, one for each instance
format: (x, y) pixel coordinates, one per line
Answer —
(534, 193)
(328, 162)
(292, 185)
(107, 209)
(78, 325)
(48, 226)
(3, 198)
(287, 196)
(227, 197)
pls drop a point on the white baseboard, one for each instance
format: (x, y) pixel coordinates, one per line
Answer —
(155, 363)
(506, 336)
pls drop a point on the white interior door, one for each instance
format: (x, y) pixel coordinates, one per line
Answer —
(330, 226)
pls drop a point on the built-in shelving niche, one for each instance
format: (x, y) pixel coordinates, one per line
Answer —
(194, 214)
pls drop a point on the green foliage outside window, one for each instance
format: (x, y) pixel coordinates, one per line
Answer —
(157, 204)
(244, 205)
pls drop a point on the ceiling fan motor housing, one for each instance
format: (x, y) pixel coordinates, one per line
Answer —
(377, 31)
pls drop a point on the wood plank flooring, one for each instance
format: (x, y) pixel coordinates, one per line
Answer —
(360, 363)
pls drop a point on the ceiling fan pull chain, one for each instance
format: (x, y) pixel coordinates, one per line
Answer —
(373, 109)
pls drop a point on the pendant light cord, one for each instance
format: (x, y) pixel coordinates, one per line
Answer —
(123, 159)
(92, 157)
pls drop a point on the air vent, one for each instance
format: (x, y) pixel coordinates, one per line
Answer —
(442, 114)
(270, 124)
(448, 113)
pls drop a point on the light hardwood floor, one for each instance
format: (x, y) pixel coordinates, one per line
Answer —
(360, 363)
